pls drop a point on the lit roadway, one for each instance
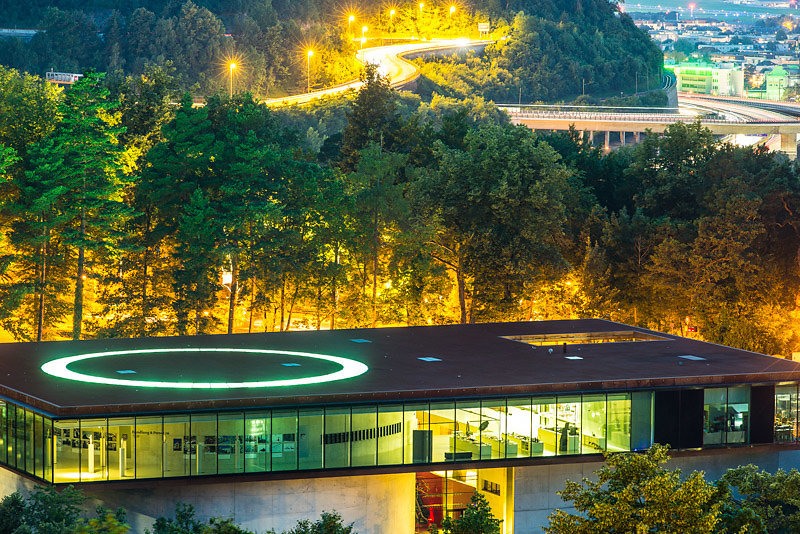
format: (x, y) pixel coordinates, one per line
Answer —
(390, 64)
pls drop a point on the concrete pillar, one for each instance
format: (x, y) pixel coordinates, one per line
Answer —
(638, 137)
(591, 138)
(789, 145)
(608, 140)
(622, 139)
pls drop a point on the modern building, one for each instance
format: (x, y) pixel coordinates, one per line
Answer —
(62, 78)
(708, 79)
(391, 427)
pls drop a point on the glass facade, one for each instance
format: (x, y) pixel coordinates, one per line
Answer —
(726, 415)
(786, 428)
(331, 437)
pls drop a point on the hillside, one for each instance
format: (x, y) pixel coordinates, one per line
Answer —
(548, 49)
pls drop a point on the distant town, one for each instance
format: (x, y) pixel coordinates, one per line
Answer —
(753, 59)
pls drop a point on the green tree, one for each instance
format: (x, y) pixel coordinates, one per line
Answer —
(28, 109)
(377, 207)
(498, 209)
(69, 42)
(769, 502)
(670, 170)
(684, 46)
(634, 493)
(184, 522)
(50, 511)
(373, 118)
(328, 523)
(8, 156)
(105, 523)
(477, 518)
(195, 280)
(12, 510)
(81, 165)
(198, 43)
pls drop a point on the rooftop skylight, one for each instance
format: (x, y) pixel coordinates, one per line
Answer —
(624, 336)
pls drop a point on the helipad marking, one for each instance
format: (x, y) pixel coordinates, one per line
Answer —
(350, 368)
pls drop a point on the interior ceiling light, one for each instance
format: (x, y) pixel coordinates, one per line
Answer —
(60, 368)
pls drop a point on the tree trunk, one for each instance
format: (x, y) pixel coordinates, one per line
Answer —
(234, 289)
(376, 237)
(462, 299)
(319, 306)
(333, 290)
(291, 306)
(42, 285)
(77, 315)
(252, 303)
(283, 294)
(145, 267)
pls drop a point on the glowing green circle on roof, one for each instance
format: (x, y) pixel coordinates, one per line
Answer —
(350, 368)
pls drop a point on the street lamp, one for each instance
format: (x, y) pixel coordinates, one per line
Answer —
(391, 15)
(691, 9)
(421, 5)
(308, 70)
(363, 30)
(452, 10)
(232, 66)
(350, 20)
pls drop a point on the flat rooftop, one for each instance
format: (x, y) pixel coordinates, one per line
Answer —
(209, 372)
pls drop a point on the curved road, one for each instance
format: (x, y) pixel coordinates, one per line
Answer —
(390, 64)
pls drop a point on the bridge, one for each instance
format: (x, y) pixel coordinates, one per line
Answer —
(731, 117)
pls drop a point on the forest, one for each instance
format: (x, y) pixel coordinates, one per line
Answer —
(130, 215)
(542, 50)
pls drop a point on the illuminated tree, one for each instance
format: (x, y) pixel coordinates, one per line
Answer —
(634, 493)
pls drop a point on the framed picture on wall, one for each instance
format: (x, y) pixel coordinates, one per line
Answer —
(177, 444)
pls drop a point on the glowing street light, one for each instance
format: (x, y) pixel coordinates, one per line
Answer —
(421, 5)
(363, 30)
(363, 40)
(308, 70)
(350, 20)
(232, 66)
(452, 10)
(691, 9)
(391, 14)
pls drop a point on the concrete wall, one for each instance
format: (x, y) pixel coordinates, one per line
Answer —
(11, 482)
(377, 504)
(535, 487)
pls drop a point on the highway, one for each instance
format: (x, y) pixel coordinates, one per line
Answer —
(390, 64)
(774, 124)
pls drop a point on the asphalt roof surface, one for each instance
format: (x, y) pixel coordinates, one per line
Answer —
(468, 360)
